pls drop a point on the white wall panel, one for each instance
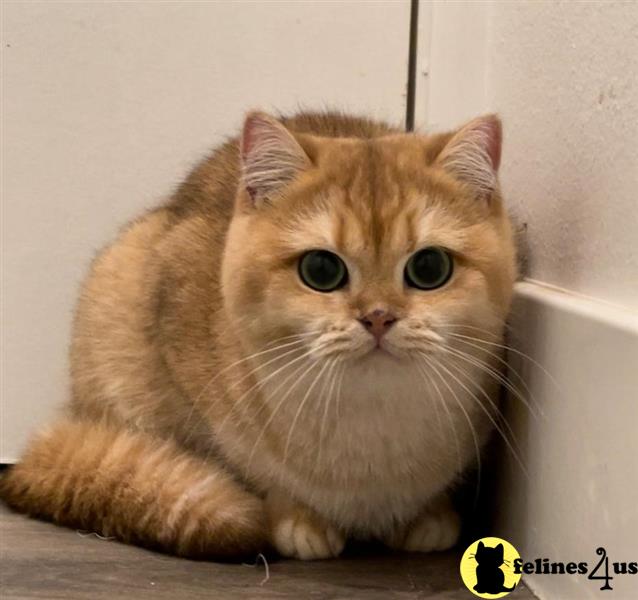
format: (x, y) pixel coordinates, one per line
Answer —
(105, 107)
(578, 444)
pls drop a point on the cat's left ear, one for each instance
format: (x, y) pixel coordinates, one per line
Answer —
(473, 155)
(270, 157)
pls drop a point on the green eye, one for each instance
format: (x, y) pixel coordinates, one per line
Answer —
(322, 271)
(429, 268)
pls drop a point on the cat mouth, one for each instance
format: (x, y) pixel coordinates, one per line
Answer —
(381, 351)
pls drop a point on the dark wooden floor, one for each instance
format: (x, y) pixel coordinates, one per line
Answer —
(40, 560)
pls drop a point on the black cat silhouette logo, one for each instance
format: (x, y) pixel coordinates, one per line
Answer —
(487, 568)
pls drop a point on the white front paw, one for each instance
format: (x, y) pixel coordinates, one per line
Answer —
(433, 530)
(299, 537)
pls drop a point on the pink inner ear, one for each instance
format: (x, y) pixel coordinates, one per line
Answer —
(246, 145)
(247, 136)
(494, 134)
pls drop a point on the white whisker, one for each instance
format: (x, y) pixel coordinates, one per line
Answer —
(301, 405)
(533, 401)
(476, 386)
(327, 403)
(515, 351)
(442, 402)
(489, 416)
(261, 382)
(486, 368)
(477, 446)
(214, 378)
(281, 402)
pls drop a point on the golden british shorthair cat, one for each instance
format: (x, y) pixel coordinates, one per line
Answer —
(292, 351)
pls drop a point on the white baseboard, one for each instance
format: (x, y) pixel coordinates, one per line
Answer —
(581, 492)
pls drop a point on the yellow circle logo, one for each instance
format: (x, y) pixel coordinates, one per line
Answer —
(487, 568)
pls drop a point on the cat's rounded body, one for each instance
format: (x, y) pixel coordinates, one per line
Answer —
(256, 409)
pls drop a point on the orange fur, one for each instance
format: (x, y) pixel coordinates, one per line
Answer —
(138, 489)
(218, 404)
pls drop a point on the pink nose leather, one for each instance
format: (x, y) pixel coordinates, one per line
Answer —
(378, 322)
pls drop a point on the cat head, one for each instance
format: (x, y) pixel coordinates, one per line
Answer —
(487, 556)
(367, 249)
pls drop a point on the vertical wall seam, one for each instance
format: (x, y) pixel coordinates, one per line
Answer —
(412, 61)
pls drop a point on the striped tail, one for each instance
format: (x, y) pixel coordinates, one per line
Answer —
(137, 489)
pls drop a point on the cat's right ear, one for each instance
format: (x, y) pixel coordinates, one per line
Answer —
(481, 545)
(270, 157)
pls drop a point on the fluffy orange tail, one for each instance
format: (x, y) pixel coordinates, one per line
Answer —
(136, 488)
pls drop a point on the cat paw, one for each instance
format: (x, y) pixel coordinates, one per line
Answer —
(437, 528)
(433, 532)
(298, 532)
(295, 536)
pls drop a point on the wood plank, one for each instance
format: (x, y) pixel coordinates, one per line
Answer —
(41, 560)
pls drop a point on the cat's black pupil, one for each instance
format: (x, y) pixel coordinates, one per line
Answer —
(322, 270)
(428, 269)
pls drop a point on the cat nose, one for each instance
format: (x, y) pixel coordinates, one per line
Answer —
(378, 322)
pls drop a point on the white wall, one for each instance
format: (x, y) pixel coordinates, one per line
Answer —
(452, 53)
(564, 76)
(105, 107)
